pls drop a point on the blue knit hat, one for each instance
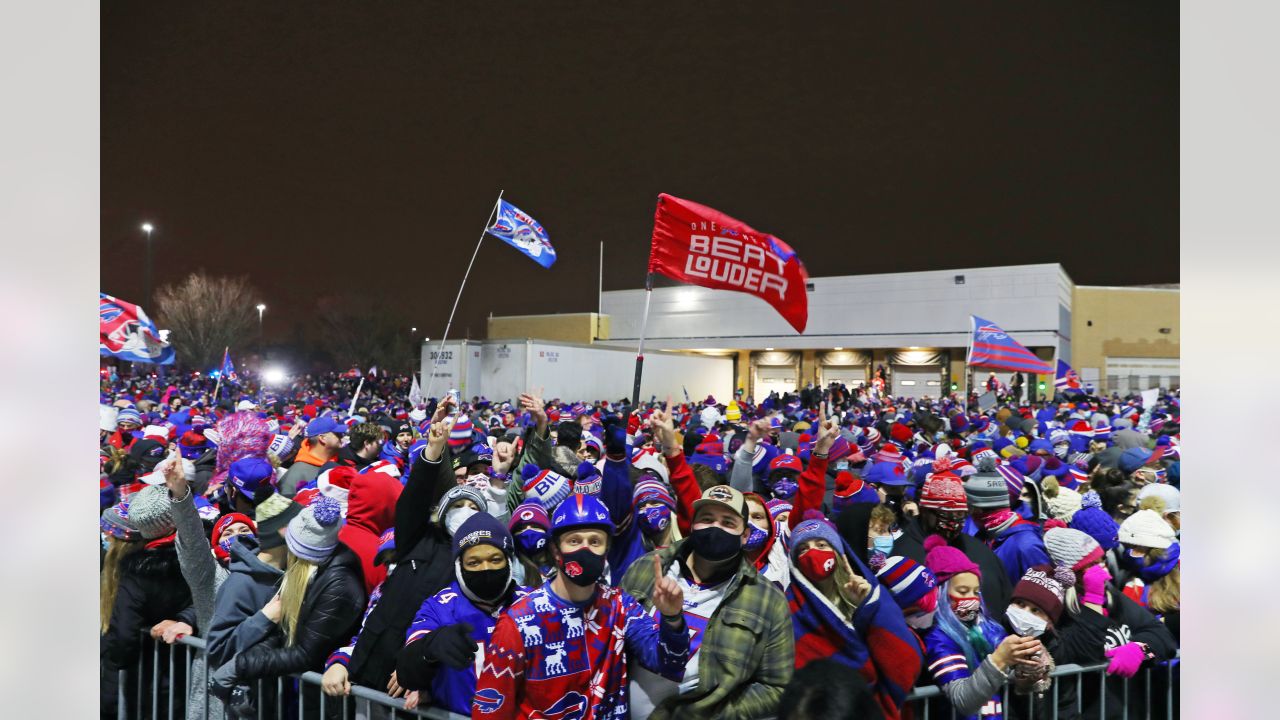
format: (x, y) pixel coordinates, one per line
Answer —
(907, 580)
(482, 529)
(812, 529)
(129, 415)
(1093, 521)
(460, 435)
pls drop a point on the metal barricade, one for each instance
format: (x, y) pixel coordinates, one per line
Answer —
(927, 700)
(166, 695)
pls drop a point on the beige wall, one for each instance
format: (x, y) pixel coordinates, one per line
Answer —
(746, 381)
(582, 328)
(1126, 323)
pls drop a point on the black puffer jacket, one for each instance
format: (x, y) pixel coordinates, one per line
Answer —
(330, 614)
(424, 566)
(151, 589)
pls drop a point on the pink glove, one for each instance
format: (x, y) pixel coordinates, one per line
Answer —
(1095, 584)
(1126, 660)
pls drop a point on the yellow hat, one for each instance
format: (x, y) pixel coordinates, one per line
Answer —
(733, 413)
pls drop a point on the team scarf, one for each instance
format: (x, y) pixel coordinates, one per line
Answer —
(822, 632)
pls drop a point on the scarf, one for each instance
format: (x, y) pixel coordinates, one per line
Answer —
(875, 641)
(1153, 572)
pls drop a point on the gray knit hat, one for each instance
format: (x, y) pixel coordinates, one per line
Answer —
(986, 490)
(149, 511)
(460, 492)
(1071, 548)
(313, 534)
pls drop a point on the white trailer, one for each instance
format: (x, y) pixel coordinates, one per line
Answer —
(502, 369)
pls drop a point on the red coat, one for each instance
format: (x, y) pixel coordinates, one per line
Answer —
(371, 511)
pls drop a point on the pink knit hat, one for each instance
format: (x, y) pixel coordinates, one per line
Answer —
(946, 561)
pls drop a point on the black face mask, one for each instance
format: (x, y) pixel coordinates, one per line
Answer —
(715, 544)
(488, 585)
(582, 567)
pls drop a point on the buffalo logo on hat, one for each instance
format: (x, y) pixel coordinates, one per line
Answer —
(721, 493)
(526, 515)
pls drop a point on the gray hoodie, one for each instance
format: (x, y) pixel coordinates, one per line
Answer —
(238, 622)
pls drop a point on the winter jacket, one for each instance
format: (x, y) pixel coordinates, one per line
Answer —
(449, 688)
(305, 468)
(628, 540)
(151, 589)
(424, 567)
(747, 654)
(1020, 547)
(204, 575)
(1084, 637)
(980, 692)
(995, 586)
(392, 453)
(237, 618)
(371, 511)
(537, 452)
(330, 614)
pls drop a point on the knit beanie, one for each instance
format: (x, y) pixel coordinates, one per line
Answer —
(776, 507)
(850, 489)
(272, 515)
(115, 522)
(588, 480)
(648, 489)
(945, 561)
(987, 490)
(1146, 528)
(1063, 502)
(460, 492)
(530, 512)
(943, 491)
(1095, 522)
(1046, 588)
(548, 487)
(313, 533)
(149, 512)
(222, 524)
(1071, 548)
(814, 529)
(1013, 481)
(907, 580)
(1170, 499)
(460, 435)
(482, 529)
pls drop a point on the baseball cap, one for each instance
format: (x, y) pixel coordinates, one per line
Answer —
(725, 495)
(249, 475)
(323, 425)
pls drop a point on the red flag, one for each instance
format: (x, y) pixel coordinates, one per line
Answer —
(695, 244)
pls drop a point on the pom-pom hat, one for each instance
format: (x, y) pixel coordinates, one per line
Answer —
(1046, 588)
(1146, 528)
(313, 534)
(907, 580)
(1092, 520)
(945, 561)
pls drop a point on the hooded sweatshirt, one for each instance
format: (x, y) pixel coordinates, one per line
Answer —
(238, 622)
(371, 511)
(306, 466)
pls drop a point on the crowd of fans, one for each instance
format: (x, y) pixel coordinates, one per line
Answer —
(817, 554)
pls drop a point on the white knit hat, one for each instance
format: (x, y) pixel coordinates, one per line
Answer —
(1065, 504)
(107, 418)
(1146, 528)
(1167, 493)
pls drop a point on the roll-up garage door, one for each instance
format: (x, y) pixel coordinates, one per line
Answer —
(782, 379)
(848, 375)
(1133, 375)
(914, 381)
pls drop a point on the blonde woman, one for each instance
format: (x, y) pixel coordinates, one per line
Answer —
(317, 609)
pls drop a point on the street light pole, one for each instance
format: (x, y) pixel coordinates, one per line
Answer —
(261, 309)
(146, 294)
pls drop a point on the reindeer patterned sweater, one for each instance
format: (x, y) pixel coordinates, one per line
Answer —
(551, 659)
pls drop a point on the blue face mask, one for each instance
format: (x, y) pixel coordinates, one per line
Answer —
(531, 540)
(785, 489)
(655, 519)
(882, 544)
(756, 539)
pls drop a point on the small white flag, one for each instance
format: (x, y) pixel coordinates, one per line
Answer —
(415, 392)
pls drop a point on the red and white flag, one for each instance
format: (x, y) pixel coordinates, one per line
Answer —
(698, 245)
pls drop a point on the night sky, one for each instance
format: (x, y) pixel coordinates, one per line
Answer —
(321, 144)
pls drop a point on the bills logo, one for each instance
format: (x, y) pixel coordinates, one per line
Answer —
(488, 700)
(119, 329)
(991, 332)
(572, 706)
(572, 569)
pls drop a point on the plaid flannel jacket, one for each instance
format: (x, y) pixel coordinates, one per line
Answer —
(747, 655)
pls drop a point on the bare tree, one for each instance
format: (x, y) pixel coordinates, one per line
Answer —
(364, 328)
(205, 314)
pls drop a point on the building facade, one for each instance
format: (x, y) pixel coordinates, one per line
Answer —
(915, 326)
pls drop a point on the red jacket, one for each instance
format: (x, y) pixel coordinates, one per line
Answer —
(371, 511)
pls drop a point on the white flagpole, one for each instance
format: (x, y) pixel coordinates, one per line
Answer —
(352, 410)
(432, 380)
(218, 385)
(600, 287)
(644, 322)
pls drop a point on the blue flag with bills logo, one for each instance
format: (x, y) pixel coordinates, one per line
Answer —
(127, 333)
(1066, 380)
(228, 368)
(516, 228)
(992, 347)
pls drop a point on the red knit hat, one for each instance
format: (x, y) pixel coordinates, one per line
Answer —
(221, 524)
(900, 433)
(943, 491)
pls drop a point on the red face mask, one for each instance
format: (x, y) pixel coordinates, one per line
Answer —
(817, 563)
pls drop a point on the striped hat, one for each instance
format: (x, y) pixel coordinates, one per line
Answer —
(460, 435)
(776, 507)
(943, 491)
(548, 487)
(128, 415)
(907, 580)
(650, 489)
(529, 512)
(1071, 548)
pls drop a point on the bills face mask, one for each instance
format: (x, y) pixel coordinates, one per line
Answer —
(582, 567)
(817, 564)
(755, 539)
(654, 519)
(531, 541)
(965, 609)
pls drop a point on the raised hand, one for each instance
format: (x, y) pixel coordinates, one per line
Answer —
(174, 477)
(828, 431)
(668, 598)
(532, 403)
(857, 587)
(437, 438)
